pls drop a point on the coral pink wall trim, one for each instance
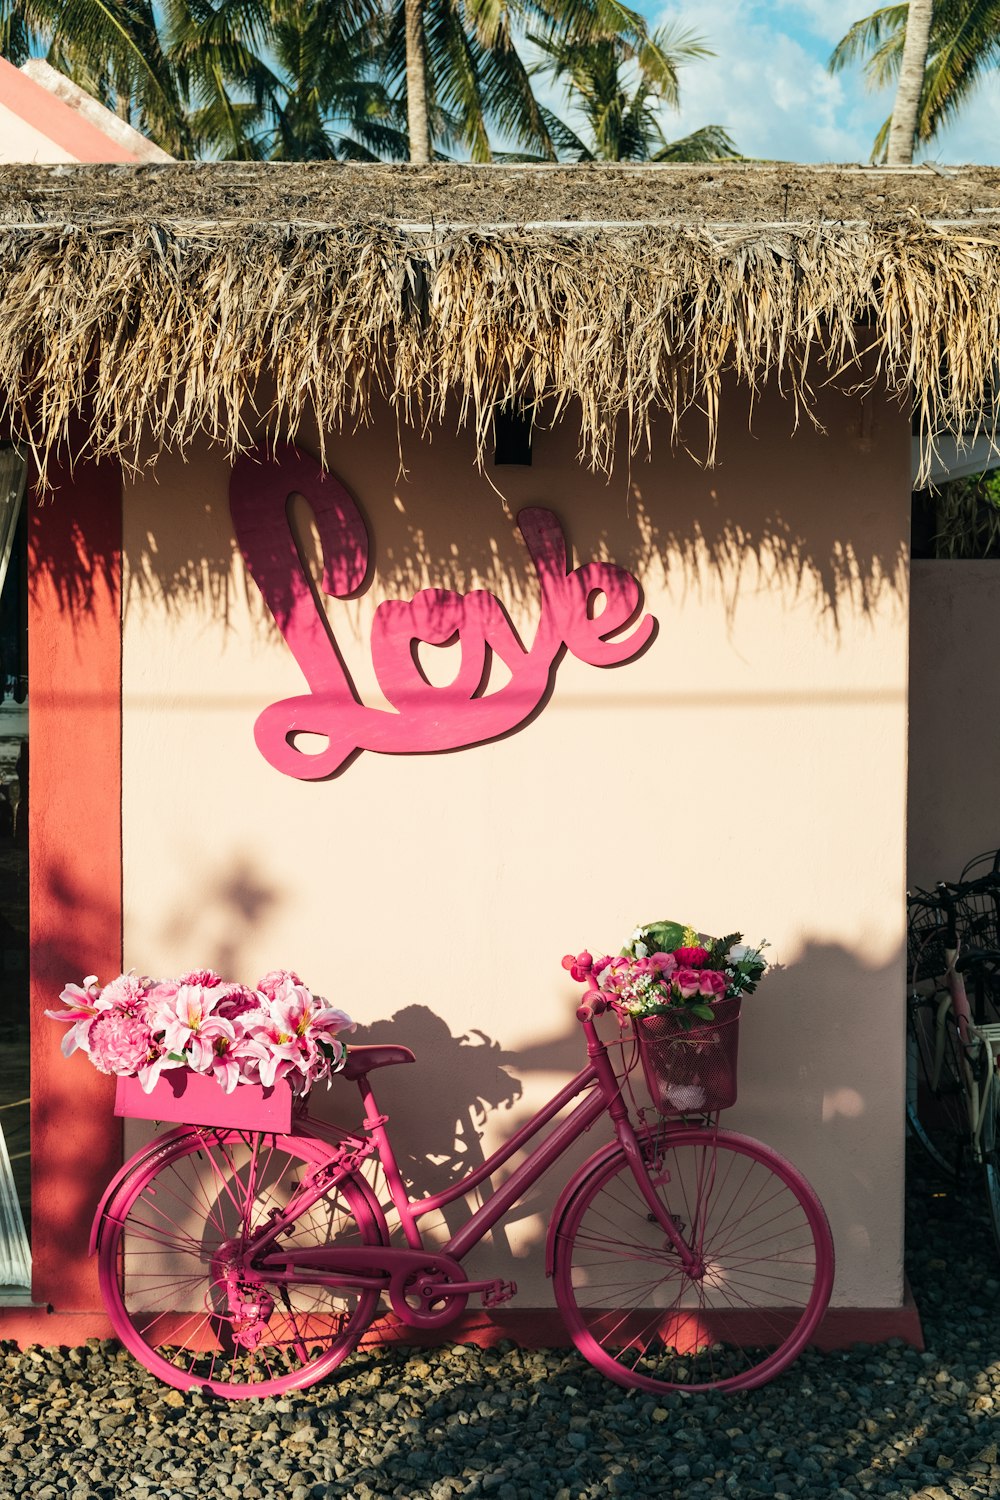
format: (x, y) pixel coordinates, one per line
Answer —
(55, 120)
(74, 670)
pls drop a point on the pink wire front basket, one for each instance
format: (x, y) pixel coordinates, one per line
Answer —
(691, 1069)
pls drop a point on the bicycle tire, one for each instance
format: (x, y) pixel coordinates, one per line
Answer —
(177, 1221)
(990, 1142)
(936, 1109)
(637, 1316)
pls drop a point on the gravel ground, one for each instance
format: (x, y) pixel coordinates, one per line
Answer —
(524, 1425)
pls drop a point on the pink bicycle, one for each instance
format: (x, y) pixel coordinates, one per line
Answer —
(247, 1260)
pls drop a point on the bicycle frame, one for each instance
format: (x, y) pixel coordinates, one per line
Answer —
(973, 1039)
(433, 1278)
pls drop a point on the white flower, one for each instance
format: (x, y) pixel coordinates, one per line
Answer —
(684, 1096)
(640, 950)
(739, 952)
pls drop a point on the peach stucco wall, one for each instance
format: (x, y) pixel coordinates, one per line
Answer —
(748, 770)
(954, 801)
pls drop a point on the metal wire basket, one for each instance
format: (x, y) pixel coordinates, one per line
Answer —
(691, 1069)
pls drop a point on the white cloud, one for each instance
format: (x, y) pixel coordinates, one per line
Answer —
(772, 93)
(769, 86)
(827, 19)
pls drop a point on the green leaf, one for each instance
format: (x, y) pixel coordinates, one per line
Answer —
(703, 1012)
(664, 937)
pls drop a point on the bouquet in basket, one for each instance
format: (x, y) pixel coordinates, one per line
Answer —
(138, 1028)
(669, 969)
(682, 991)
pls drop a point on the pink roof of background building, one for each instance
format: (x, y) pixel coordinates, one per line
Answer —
(45, 117)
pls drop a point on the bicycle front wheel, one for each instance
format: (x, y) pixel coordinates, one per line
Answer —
(181, 1292)
(762, 1280)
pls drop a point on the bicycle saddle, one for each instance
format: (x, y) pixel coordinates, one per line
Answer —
(361, 1060)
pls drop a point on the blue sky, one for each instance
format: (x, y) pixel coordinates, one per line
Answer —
(768, 84)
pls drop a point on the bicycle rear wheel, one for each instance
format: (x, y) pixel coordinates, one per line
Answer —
(936, 1108)
(186, 1304)
(766, 1257)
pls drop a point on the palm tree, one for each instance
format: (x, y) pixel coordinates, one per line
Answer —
(456, 64)
(964, 43)
(279, 80)
(622, 112)
(912, 66)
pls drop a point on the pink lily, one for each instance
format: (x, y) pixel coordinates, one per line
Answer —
(159, 1062)
(226, 1060)
(270, 1053)
(82, 1009)
(182, 1016)
(302, 1013)
(212, 1039)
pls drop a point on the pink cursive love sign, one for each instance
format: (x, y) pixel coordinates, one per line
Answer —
(423, 718)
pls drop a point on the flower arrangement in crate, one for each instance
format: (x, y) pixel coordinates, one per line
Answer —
(682, 992)
(170, 1037)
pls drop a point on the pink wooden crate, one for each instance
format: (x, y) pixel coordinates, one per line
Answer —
(195, 1099)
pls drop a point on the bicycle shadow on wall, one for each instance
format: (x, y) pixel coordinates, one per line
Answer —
(439, 1107)
(805, 1087)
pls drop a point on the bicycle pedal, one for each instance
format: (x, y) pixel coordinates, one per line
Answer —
(497, 1292)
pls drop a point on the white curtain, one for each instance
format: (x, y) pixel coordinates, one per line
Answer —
(13, 471)
(15, 1256)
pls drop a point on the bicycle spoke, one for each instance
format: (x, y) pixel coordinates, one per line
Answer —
(741, 1309)
(183, 1296)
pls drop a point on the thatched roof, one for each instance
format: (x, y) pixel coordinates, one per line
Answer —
(157, 301)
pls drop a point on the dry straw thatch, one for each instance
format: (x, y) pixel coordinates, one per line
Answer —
(159, 303)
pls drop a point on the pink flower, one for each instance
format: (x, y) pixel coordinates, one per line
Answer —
(183, 1015)
(207, 978)
(600, 964)
(611, 968)
(127, 991)
(691, 958)
(687, 983)
(300, 1012)
(713, 984)
(272, 981)
(663, 963)
(213, 1039)
(120, 1043)
(82, 1008)
(237, 1001)
(227, 1059)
